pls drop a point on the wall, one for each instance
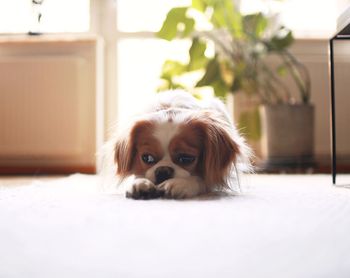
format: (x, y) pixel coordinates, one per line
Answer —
(314, 54)
(51, 107)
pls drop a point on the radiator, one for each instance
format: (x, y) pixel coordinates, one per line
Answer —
(50, 107)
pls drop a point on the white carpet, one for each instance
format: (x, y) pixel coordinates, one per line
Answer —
(282, 226)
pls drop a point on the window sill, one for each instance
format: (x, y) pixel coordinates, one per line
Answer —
(47, 38)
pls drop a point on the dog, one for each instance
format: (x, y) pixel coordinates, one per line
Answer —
(180, 147)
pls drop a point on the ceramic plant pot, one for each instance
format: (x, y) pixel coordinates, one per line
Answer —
(287, 135)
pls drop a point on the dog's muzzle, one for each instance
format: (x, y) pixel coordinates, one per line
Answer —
(163, 173)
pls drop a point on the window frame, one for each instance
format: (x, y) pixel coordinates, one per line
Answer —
(104, 16)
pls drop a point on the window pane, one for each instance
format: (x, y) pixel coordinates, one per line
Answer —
(311, 18)
(18, 16)
(139, 63)
(66, 15)
(15, 16)
(141, 15)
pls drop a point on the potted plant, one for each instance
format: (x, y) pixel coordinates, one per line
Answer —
(231, 53)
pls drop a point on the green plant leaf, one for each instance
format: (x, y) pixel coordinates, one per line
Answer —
(169, 84)
(255, 24)
(176, 22)
(199, 5)
(172, 68)
(239, 75)
(197, 58)
(282, 40)
(236, 85)
(225, 15)
(212, 77)
(212, 73)
(220, 89)
(189, 27)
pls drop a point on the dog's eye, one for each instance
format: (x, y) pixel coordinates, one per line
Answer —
(148, 158)
(185, 159)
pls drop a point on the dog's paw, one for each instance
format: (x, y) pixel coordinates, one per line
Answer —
(144, 189)
(180, 188)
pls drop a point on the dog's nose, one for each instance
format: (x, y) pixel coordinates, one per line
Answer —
(163, 173)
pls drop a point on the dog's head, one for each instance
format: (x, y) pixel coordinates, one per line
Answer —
(178, 143)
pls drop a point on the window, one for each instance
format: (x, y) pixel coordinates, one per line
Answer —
(139, 54)
(139, 63)
(138, 15)
(20, 16)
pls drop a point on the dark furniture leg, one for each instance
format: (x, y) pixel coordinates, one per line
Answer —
(333, 129)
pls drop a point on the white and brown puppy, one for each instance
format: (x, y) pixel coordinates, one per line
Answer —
(180, 148)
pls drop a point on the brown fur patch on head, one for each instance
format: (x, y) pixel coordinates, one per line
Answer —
(125, 148)
(146, 143)
(219, 150)
(188, 141)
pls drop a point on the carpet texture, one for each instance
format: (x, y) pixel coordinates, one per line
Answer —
(280, 226)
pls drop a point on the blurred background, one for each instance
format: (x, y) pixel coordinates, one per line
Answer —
(69, 70)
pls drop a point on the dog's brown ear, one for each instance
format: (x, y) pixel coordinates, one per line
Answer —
(220, 149)
(123, 156)
(125, 149)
